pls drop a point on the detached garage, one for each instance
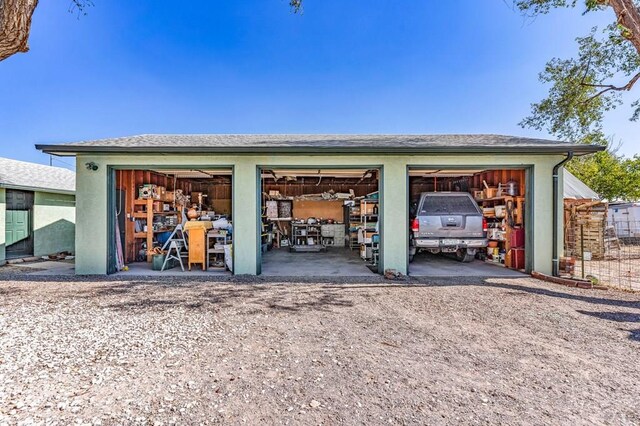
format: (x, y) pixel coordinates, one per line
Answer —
(37, 210)
(316, 205)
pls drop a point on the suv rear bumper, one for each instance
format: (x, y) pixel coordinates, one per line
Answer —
(437, 243)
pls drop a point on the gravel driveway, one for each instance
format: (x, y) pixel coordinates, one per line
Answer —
(514, 351)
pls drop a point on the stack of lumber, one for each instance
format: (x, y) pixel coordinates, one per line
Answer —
(586, 227)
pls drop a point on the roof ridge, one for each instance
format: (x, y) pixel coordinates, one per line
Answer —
(31, 163)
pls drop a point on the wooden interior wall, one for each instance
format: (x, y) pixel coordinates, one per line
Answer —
(219, 193)
(126, 182)
(418, 185)
(329, 209)
(495, 177)
(309, 185)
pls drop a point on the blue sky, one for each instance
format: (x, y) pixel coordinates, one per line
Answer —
(253, 67)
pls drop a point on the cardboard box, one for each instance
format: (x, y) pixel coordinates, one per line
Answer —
(272, 209)
(170, 196)
(368, 208)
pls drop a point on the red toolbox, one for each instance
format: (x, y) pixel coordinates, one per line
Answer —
(517, 258)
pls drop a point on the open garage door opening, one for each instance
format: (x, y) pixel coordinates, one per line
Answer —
(320, 222)
(172, 221)
(467, 222)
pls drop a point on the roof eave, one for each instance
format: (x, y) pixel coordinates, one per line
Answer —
(63, 150)
(37, 189)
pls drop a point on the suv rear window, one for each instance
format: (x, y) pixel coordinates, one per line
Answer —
(443, 204)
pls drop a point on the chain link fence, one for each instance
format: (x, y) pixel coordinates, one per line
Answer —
(604, 251)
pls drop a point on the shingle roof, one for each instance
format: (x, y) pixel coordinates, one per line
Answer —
(23, 175)
(310, 143)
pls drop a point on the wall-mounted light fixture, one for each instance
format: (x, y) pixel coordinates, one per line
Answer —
(91, 166)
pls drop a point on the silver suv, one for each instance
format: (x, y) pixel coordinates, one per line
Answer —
(448, 222)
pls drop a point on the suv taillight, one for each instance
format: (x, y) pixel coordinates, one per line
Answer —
(485, 228)
(415, 225)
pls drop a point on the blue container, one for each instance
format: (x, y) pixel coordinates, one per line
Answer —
(163, 237)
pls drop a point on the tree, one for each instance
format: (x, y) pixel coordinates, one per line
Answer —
(584, 88)
(611, 176)
(15, 23)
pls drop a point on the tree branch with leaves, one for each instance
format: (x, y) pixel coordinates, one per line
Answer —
(584, 88)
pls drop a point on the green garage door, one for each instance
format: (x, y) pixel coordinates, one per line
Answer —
(18, 228)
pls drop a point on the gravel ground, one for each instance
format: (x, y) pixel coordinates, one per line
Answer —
(515, 351)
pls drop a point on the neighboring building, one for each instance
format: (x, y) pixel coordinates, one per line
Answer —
(625, 219)
(37, 209)
(110, 173)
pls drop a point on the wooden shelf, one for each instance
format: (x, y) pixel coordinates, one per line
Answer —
(501, 198)
(148, 215)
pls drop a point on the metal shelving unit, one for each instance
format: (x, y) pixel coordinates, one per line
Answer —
(215, 256)
(306, 238)
(369, 219)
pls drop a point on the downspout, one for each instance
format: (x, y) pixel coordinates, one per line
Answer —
(556, 170)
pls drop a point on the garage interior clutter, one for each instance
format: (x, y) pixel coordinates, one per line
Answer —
(309, 219)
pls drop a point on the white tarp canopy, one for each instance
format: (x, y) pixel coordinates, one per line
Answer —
(575, 188)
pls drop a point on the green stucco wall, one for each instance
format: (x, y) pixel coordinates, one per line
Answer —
(53, 223)
(91, 198)
(54, 218)
(2, 225)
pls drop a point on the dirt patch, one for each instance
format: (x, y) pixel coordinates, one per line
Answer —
(174, 351)
(10, 270)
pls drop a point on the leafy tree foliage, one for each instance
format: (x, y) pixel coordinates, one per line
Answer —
(579, 95)
(296, 5)
(611, 176)
(584, 88)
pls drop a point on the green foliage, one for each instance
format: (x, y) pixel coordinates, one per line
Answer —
(582, 90)
(580, 95)
(611, 176)
(296, 5)
(538, 7)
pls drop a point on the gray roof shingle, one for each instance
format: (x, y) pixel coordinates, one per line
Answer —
(20, 174)
(301, 142)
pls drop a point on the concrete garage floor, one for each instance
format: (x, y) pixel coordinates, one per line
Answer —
(334, 262)
(436, 265)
